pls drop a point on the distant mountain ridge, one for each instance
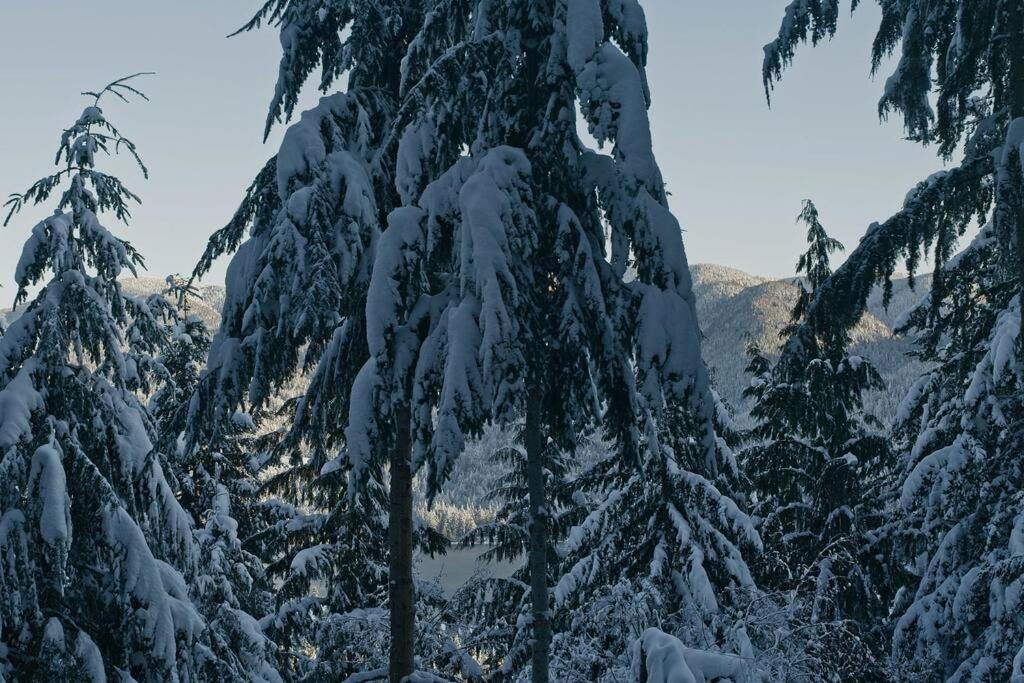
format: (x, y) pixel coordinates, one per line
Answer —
(208, 307)
(734, 308)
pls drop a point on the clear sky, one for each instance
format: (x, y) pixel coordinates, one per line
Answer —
(736, 169)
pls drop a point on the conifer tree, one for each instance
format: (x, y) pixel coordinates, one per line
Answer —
(813, 454)
(496, 611)
(298, 302)
(93, 540)
(216, 483)
(958, 432)
(522, 313)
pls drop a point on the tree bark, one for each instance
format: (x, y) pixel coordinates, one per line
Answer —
(402, 593)
(538, 543)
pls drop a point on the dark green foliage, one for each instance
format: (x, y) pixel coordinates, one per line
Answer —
(95, 544)
(813, 458)
(959, 427)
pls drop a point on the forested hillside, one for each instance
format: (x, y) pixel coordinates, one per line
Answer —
(737, 309)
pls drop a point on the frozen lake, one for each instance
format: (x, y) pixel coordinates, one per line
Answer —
(453, 570)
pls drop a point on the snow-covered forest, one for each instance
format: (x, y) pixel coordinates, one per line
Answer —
(459, 326)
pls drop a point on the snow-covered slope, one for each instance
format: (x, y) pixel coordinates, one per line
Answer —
(737, 308)
(713, 283)
(208, 308)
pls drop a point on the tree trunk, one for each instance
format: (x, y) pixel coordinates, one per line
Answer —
(538, 542)
(402, 597)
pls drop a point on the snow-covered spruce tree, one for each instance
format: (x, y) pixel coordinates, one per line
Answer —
(217, 486)
(812, 459)
(297, 302)
(182, 355)
(535, 319)
(92, 540)
(958, 615)
(495, 611)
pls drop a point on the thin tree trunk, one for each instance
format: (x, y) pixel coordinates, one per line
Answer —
(538, 543)
(402, 598)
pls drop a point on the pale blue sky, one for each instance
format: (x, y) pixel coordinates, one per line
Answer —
(736, 169)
